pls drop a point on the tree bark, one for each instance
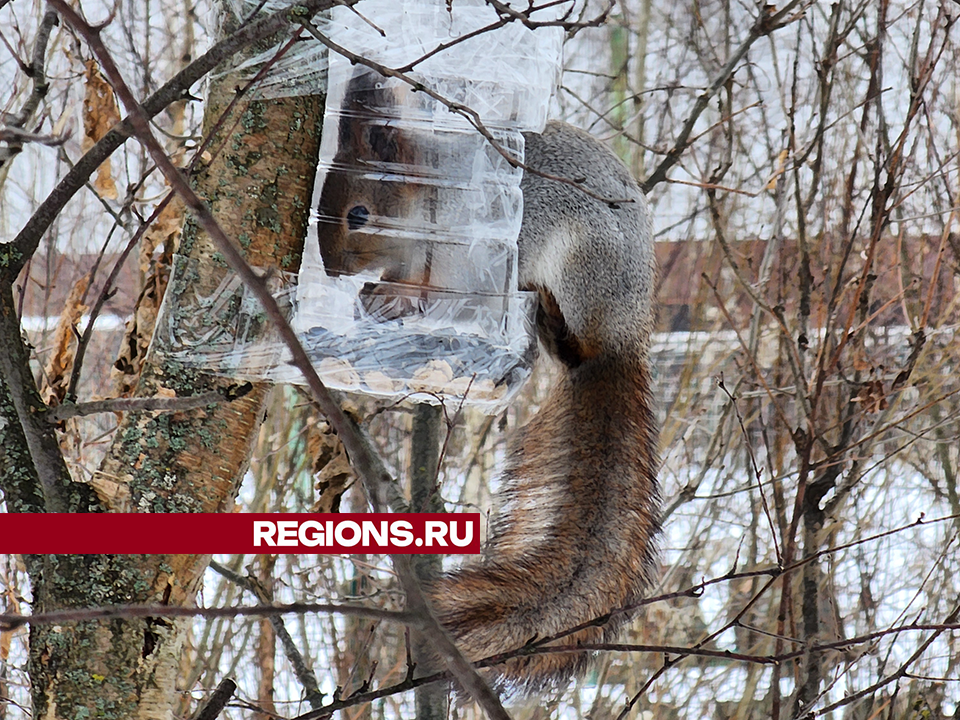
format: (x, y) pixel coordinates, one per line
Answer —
(431, 700)
(258, 185)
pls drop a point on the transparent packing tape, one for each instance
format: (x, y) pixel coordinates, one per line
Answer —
(388, 108)
(507, 75)
(484, 266)
(417, 199)
(391, 341)
(427, 180)
(301, 70)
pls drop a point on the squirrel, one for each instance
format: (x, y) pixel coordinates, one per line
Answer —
(574, 535)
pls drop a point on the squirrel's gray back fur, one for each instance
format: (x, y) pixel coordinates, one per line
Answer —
(574, 533)
(596, 257)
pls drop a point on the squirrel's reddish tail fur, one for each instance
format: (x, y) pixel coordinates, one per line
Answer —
(574, 537)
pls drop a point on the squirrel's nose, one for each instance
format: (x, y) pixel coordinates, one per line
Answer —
(357, 217)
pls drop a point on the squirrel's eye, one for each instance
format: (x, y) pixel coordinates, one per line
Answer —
(357, 217)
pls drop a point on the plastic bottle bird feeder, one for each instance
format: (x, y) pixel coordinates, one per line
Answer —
(408, 284)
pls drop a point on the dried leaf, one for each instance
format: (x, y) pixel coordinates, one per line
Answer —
(163, 232)
(56, 374)
(781, 166)
(12, 606)
(100, 113)
(63, 125)
(176, 148)
(114, 495)
(333, 471)
(860, 362)
(139, 329)
(872, 396)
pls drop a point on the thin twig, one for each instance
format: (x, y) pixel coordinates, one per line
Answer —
(469, 114)
(507, 15)
(767, 22)
(38, 75)
(12, 621)
(217, 701)
(147, 404)
(304, 674)
(28, 239)
(21, 137)
(756, 469)
(106, 294)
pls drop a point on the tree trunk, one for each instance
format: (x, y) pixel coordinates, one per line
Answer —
(431, 700)
(258, 185)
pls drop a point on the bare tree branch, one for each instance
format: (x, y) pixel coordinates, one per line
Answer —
(22, 247)
(159, 404)
(767, 22)
(12, 126)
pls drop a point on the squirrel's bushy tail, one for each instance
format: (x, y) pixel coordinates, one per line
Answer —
(574, 536)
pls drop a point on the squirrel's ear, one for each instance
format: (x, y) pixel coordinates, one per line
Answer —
(385, 143)
(370, 124)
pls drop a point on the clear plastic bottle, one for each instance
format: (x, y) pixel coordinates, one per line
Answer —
(420, 295)
(411, 283)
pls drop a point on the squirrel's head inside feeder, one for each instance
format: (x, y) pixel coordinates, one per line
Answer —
(371, 191)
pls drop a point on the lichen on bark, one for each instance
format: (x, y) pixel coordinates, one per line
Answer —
(258, 185)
